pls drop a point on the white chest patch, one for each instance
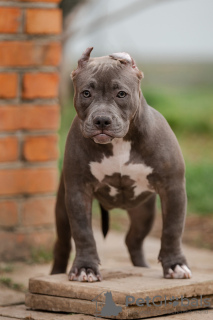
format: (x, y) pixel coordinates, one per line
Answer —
(118, 163)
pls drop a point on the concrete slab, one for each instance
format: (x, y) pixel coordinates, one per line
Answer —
(149, 293)
(140, 282)
(10, 297)
(51, 303)
(5, 318)
(206, 314)
(22, 312)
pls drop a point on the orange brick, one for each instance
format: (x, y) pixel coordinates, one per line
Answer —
(28, 181)
(41, 117)
(8, 85)
(40, 85)
(40, 239)
(10, 118)
(38, 211)
(43, 21)
(8, 149)
(8, 213)
(29, 117)
(10, 20)
(29, 53)
(41, 148)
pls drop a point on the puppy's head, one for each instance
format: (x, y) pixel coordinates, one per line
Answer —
(107, 95)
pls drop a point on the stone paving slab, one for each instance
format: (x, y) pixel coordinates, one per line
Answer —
(22, 312)
(5, 318)
(206, 314)
(139, 282)
(10, 297)
(51, 303)
(56, 293)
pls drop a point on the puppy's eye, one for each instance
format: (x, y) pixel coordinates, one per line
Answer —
(86, 94)
(121, 94)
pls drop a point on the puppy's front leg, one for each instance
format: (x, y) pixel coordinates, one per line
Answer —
(78, 205)
(173, 202)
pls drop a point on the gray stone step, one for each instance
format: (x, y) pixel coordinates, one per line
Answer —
(21, 312)
(56, 293)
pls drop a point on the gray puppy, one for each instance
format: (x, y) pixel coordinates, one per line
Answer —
(122, 152)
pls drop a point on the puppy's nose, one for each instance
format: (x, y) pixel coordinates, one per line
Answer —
(102, 122)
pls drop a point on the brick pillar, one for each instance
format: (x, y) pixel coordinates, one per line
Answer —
(30, 53)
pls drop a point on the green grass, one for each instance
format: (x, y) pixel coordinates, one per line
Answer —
(7, 282)
(199, 185)
(189, 111)
(6, 268)
(40, 255)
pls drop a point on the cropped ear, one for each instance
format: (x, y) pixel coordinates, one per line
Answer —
(140, 74)
(125, 58)
(83, 59)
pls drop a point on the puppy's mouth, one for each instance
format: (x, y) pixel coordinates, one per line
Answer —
(102, 138)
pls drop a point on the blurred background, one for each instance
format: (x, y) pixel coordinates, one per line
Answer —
(171, 41)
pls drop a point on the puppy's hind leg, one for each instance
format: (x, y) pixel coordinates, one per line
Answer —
(141, 219)
(62, 246)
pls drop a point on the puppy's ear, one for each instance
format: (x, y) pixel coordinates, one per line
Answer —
(125, 58)
(83, 59)
(140, 74)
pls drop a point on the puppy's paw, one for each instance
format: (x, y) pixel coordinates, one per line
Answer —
(174, 265)
(84, 275)
(178, 272)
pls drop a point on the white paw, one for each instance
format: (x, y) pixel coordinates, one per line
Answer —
(179, 272)
(84, 277)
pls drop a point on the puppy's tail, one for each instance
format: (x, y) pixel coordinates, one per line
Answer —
(104, 220)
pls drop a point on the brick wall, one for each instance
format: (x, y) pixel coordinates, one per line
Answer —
(30, 53)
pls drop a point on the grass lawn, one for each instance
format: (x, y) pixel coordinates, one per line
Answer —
(189, 111)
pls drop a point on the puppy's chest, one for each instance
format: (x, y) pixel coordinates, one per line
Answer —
(118, 175)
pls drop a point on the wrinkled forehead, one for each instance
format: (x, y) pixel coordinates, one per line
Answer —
(106, 70)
